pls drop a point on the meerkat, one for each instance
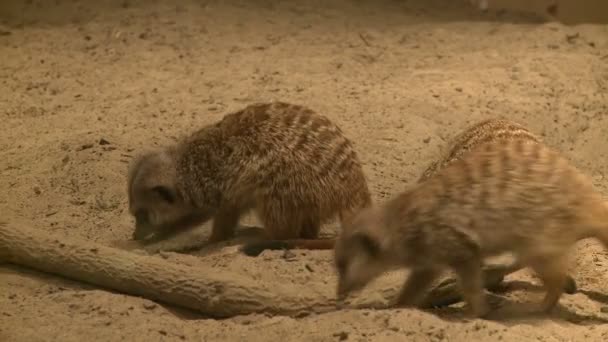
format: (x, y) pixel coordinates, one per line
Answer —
(495, 129)
(502, 196)
(292, 166)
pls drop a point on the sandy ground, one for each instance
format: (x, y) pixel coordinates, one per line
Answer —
(85, 86)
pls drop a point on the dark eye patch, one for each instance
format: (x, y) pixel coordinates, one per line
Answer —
(165, 193)
(367, 243)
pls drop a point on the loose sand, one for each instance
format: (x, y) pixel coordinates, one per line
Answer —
(85, 86)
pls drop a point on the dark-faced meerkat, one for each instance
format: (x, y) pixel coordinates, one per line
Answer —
(292, 166)
(503, 196)
(495, 129)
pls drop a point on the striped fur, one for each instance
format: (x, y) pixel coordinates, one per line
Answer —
(294, 167)
(477, 134)
(502, 196)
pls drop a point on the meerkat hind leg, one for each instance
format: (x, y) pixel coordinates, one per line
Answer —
(570, 286)
(551, 271)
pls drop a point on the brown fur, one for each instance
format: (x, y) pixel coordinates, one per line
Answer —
(503, 196)
(294, 167)
(483, 132)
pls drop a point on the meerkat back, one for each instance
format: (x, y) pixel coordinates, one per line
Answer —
(479, 133)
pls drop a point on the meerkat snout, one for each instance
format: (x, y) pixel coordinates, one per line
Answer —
(358, 255)
(357, 262)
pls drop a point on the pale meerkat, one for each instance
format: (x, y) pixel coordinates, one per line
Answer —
(503, 196)
(485, 131)
(292, 166)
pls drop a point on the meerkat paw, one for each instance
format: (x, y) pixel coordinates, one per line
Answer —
(480, 310)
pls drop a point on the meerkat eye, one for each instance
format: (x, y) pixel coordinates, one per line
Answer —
(165, 193)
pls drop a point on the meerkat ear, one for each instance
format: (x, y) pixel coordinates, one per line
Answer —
(369, 244)
(165, 193)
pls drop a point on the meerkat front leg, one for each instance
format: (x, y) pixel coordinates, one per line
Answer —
(225, 222)
(418, 281)
(470, 279)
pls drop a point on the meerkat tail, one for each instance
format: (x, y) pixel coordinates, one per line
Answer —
(256, 248)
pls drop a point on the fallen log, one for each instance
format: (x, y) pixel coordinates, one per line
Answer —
(214, 293)
(211, 292)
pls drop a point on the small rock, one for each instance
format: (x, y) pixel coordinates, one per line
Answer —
(85, 147)
(164, 255)
(426, 140)
(302, 314)
(478, 326)
(103, 141)
(77, 202)
(37, 190)
(150, 306)
(572, 37)
(289, 255)
(342, 336)
(604, 309)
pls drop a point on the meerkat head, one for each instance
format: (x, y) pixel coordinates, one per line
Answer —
(155, 201)
(359, 253)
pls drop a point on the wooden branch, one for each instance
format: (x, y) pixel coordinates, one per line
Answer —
(212, 292)
(209, 291)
